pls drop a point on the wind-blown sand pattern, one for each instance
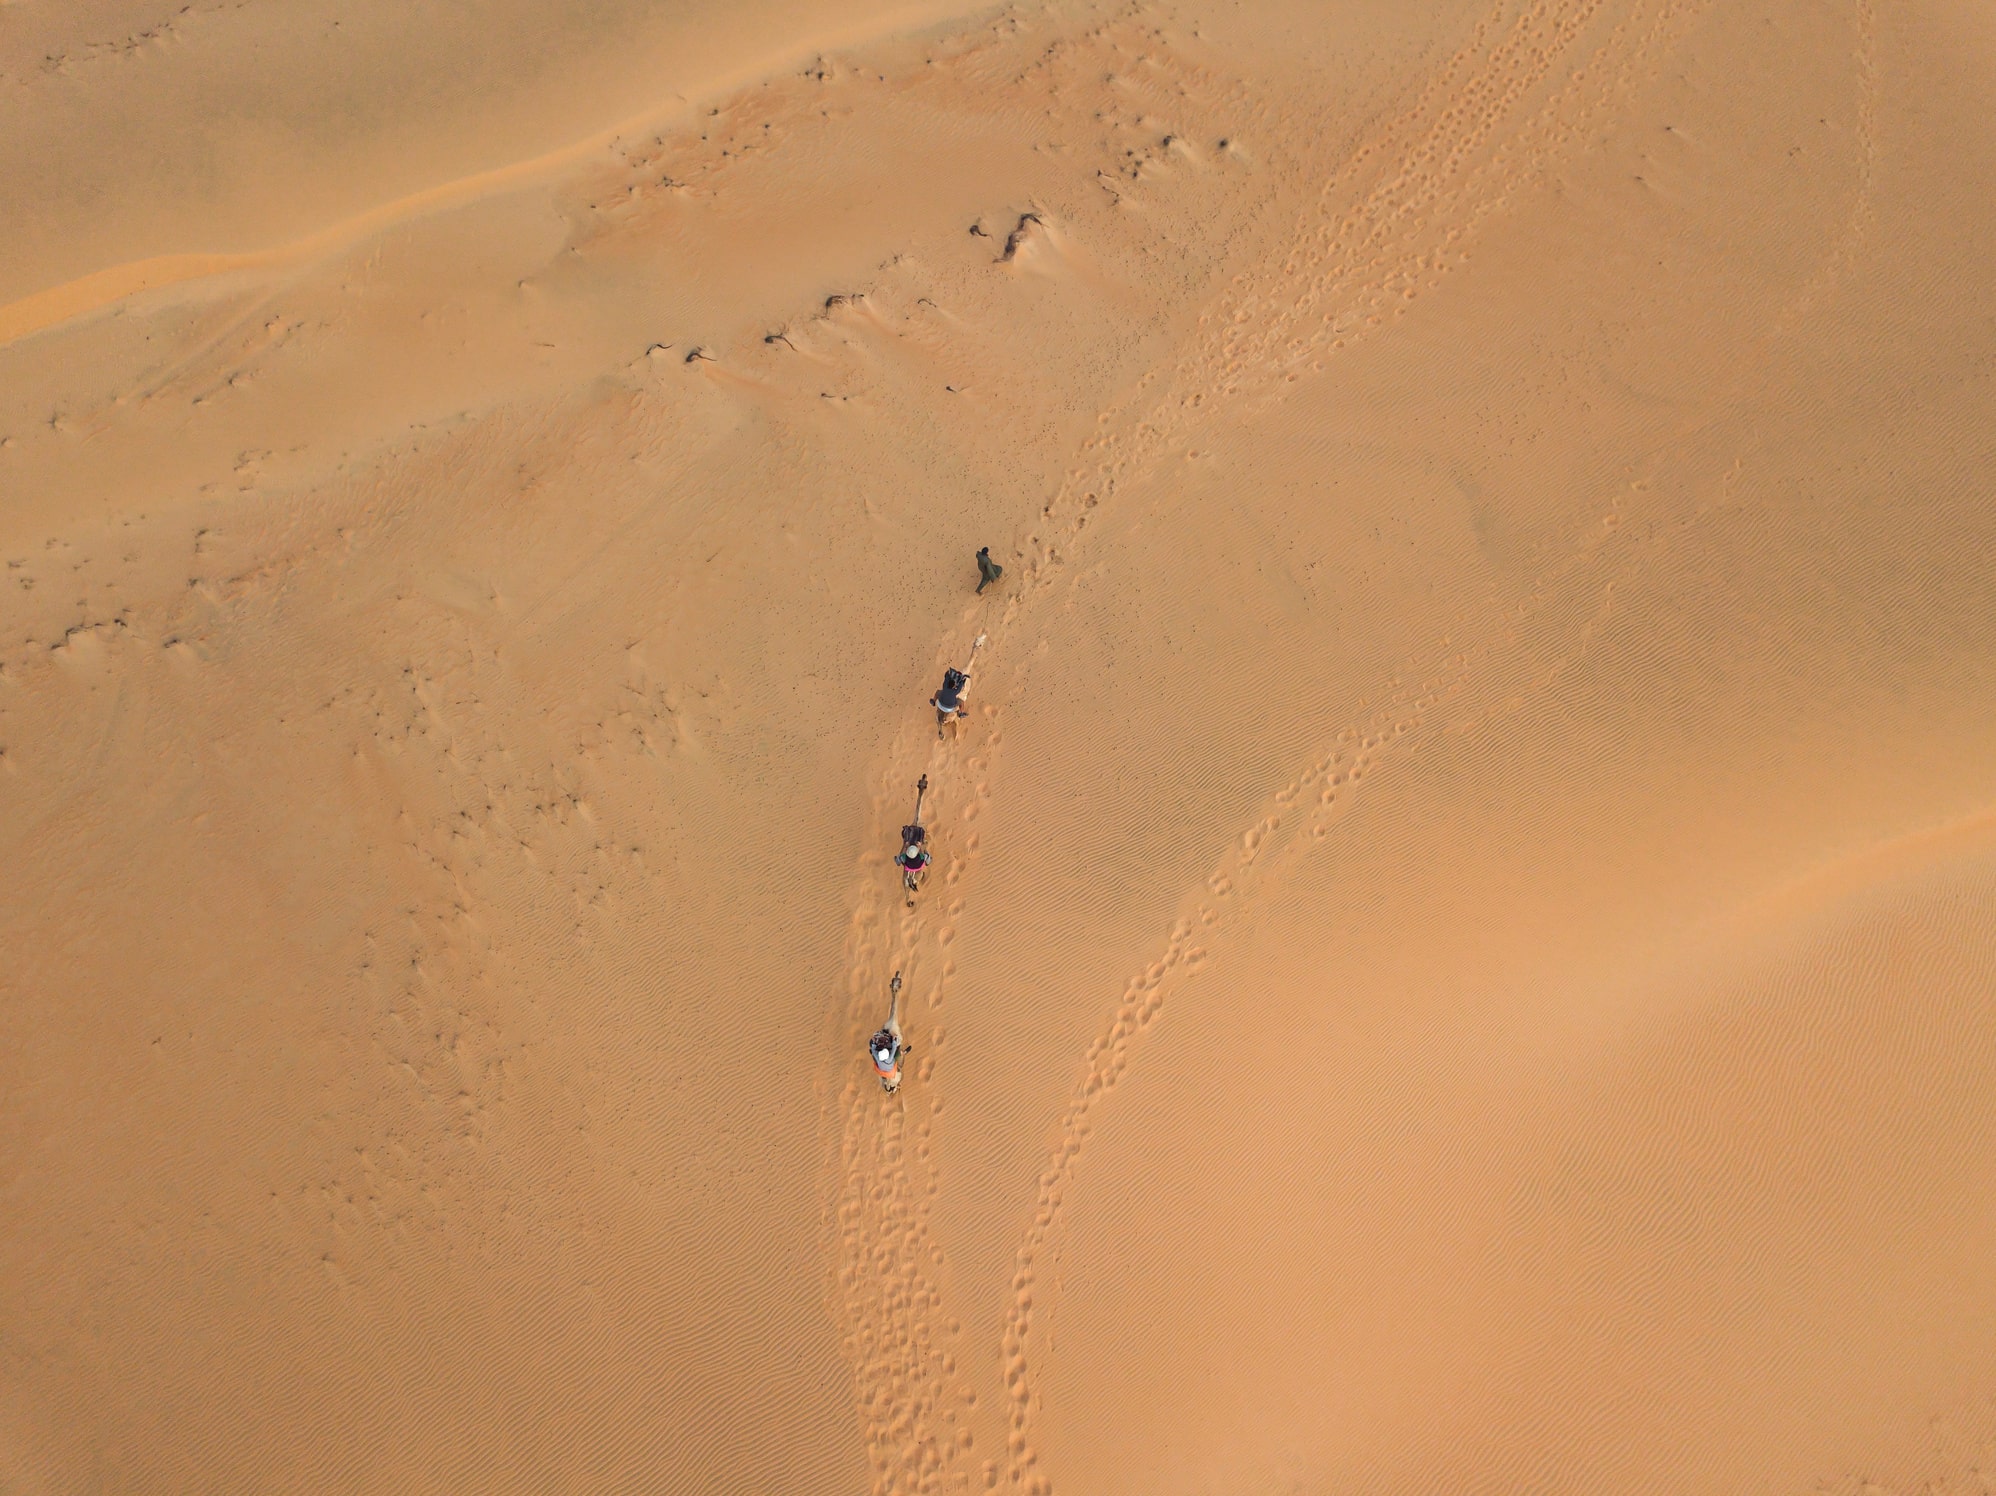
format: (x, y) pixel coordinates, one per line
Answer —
(1458, 956)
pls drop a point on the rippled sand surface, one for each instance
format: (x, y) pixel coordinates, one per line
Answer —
(1460, 950)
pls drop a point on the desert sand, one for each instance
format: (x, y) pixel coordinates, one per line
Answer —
(1462, 949)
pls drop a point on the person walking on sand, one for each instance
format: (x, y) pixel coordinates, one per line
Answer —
(988, 571)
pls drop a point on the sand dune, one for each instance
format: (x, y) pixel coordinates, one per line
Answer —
(1459, 951)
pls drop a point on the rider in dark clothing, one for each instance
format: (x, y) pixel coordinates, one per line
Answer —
(913, 856)
(948, 702)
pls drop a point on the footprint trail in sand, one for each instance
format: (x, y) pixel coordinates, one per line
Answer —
(1393, 218)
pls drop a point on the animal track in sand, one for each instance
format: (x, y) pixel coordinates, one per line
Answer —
(1293, 820)
(901, 1345)
(1449, 172)
(910, 1394)
(1412, 194)
(1394, 217)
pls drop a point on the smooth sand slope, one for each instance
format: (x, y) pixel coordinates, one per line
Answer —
(1460, 954)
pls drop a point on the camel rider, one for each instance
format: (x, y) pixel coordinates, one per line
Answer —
(913, 858)
(948, 702)
(887, 1050)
